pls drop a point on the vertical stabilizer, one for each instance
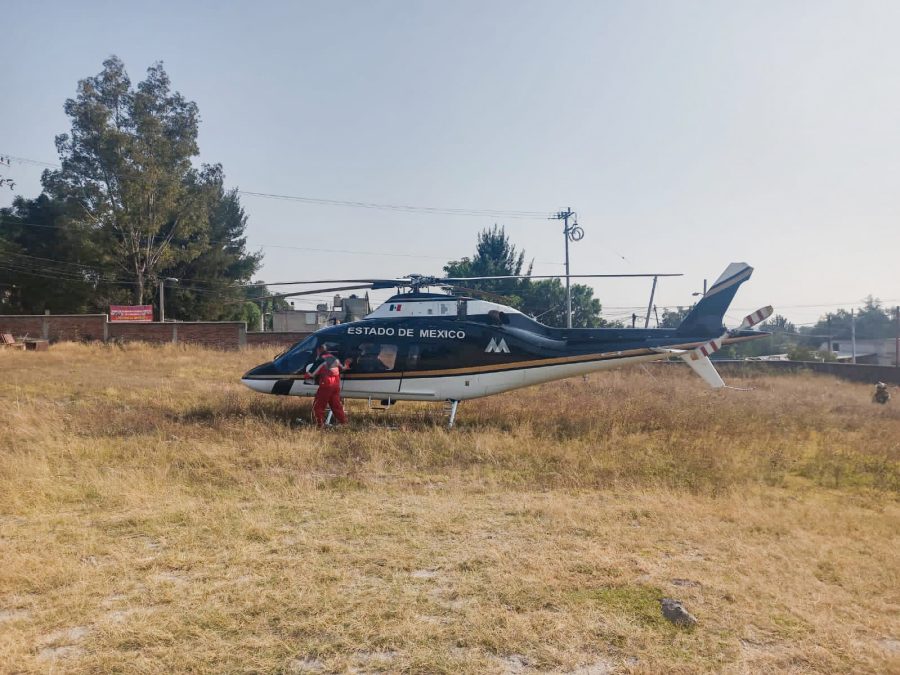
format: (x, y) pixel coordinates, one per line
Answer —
(707, 316)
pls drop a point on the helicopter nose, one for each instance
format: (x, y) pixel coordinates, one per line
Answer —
(262, 378)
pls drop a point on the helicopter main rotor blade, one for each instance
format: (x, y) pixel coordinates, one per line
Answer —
(487, 294)
(310, 292)
(422, 280)
(387, 283)
(559, 276)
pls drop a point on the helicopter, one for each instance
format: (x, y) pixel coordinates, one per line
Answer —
(450, 347)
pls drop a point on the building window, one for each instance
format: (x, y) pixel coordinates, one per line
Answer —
(835, 347)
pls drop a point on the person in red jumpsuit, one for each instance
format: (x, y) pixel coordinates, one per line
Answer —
(327, 372)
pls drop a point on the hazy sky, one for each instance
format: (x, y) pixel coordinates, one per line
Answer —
(686, 135)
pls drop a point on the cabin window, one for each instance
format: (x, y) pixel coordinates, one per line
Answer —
(432, 356)
(413, 354)
(371, 357)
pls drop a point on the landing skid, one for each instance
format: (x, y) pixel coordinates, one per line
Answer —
(450, 410)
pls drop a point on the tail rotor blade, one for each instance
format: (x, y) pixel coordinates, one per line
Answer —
(758, 316)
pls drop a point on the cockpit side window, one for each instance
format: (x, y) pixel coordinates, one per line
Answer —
(295, 359)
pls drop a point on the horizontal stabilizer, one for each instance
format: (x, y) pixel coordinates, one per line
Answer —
(704, 368)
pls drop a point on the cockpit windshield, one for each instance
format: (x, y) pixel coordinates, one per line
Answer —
(297, 357)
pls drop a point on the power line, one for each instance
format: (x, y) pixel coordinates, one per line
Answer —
(406, 208)
(25, 160)
(622, 308)
(831, 304)
(289, 246)
(321, 201)
(49, 272)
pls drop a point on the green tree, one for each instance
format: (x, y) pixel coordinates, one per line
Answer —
(50, 261)
(672, 318)
(545, 300)
(778, 324)
(213, 282)
(126, 209)
(872, 321)
(494, 256)
(127, 164)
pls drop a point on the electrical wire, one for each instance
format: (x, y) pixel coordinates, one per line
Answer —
(321, 201)
(295, 248)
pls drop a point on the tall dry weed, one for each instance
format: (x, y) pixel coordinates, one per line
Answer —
(155, 516)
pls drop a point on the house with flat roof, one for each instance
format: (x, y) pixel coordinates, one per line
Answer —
(880, 352)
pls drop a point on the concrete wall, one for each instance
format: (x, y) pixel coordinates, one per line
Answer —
(301, 320)
(848, 371)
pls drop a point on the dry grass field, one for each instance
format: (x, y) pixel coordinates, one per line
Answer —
(157, 517)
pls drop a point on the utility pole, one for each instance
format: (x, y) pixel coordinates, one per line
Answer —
(650, 305)
(897, 337)
(853, 336)
(162, 296)
(570, 233)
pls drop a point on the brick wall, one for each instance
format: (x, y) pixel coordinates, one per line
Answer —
(75, 327)
(22, 326)
(277, 339)
(141, 332)
(55, 327)
(222, 334)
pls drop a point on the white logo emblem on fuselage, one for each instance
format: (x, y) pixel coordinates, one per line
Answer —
(497, 347)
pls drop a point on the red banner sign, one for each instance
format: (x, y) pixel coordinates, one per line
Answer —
(131, 313)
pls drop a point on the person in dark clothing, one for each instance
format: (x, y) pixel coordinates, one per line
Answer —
(327, 373)
(368, 361)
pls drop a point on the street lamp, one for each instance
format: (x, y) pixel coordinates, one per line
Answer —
(162, 297)
(698, 293)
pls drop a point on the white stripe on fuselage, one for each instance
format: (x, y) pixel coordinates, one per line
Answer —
(458, 387)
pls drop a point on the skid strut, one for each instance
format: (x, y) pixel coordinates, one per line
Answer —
(450, 409)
